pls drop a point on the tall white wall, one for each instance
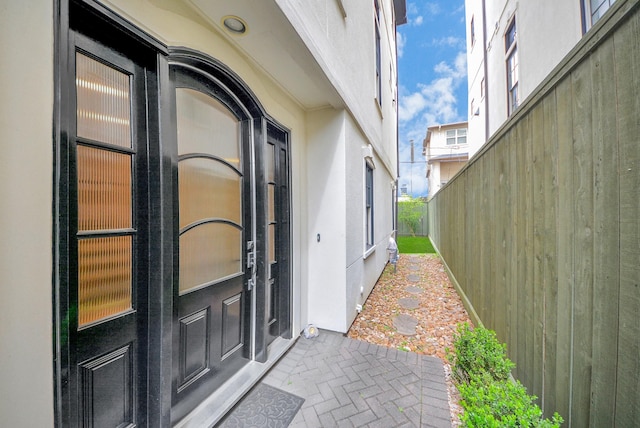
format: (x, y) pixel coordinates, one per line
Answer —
(326, 199)
(345, 49)
(364, 265)
(26, 174)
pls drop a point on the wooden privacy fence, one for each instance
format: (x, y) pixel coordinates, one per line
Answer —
(541, 231)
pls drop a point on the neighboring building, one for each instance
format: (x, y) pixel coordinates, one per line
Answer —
(187, 185)
(447, 151)
(511, 48)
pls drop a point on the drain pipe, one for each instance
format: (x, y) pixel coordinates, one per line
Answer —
(486, 72)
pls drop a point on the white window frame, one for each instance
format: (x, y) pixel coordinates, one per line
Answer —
(369, 203)
(457, 138)
(378, 53)
(591, 17)
(512, 67)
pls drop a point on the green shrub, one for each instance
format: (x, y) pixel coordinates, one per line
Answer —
(478, 353)
(490, 398)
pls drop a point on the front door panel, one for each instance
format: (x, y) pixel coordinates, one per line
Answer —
(104, 315)
(211, 310)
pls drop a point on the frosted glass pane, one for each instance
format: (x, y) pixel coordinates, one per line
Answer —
(270, 163)
(208, 189)
(104, 277)
(206, 126)
(272, 202)
(103, 102)
(272, 243)
(104, 189)
(209, 252)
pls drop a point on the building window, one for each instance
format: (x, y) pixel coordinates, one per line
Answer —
(378, 59)
(456, 136)
(482, 90)
(472, 30)
(369, 203)
(594, 9)
(511, 50)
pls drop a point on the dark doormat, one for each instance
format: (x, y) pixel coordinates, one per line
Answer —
(264, 406)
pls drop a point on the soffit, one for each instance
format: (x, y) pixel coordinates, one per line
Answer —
(273, 44)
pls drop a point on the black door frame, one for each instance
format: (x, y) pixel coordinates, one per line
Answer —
(95, 20)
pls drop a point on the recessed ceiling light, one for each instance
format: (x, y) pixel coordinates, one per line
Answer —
(234, 24)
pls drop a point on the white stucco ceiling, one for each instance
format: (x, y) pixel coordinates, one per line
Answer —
(273, 45)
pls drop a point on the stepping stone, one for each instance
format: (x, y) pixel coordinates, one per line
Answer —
(413, 290)
(413, 278)
(414, 267)
(405, 324)
(409, 303)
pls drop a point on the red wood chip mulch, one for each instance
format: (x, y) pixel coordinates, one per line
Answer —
(440, 311)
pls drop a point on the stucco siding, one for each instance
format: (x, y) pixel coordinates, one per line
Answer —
(26, 168)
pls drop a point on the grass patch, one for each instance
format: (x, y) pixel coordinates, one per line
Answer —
(415, 245)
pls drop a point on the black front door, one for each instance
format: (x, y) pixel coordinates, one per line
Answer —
(278, 289)
(215, 247)
(103, 284)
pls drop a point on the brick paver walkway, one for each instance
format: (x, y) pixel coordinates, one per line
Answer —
(350, 383)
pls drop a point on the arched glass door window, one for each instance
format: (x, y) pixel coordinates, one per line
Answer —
(210, 190)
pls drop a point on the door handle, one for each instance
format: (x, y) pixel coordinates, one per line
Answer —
(251, 264)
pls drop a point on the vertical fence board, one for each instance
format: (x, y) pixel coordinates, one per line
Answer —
(498, 272)
(606, 250)
(627, 60)
(583, 229)
(473, 266)
(512, 247)
(525, 292)
(538, 247)
(550, 266)
(565, 252)
(483, 247)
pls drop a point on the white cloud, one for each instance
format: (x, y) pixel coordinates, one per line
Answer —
(410, 106)
(435, 101)
(400, 43)
(433, 8)
(412, 9)
(418, 20)
(450, 41)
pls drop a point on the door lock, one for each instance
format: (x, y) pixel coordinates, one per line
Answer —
(251, 265)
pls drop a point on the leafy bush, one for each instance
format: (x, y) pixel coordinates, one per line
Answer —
(490, 399)
(410, 213)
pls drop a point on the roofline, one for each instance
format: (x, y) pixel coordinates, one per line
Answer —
(448, 125)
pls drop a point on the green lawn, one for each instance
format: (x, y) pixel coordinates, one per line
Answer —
(415, 245)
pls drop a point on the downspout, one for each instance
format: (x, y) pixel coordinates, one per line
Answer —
(486, 72)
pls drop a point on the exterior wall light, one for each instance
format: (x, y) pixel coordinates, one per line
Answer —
(234, 24)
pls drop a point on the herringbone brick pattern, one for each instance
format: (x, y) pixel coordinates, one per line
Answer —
(350, 383)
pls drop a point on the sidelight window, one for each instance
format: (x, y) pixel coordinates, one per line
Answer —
(105, 193)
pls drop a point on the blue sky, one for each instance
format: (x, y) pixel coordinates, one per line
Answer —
(432, 79)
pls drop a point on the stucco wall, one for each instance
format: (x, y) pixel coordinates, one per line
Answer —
(26, 171)
(345, 49)
(325, 172)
